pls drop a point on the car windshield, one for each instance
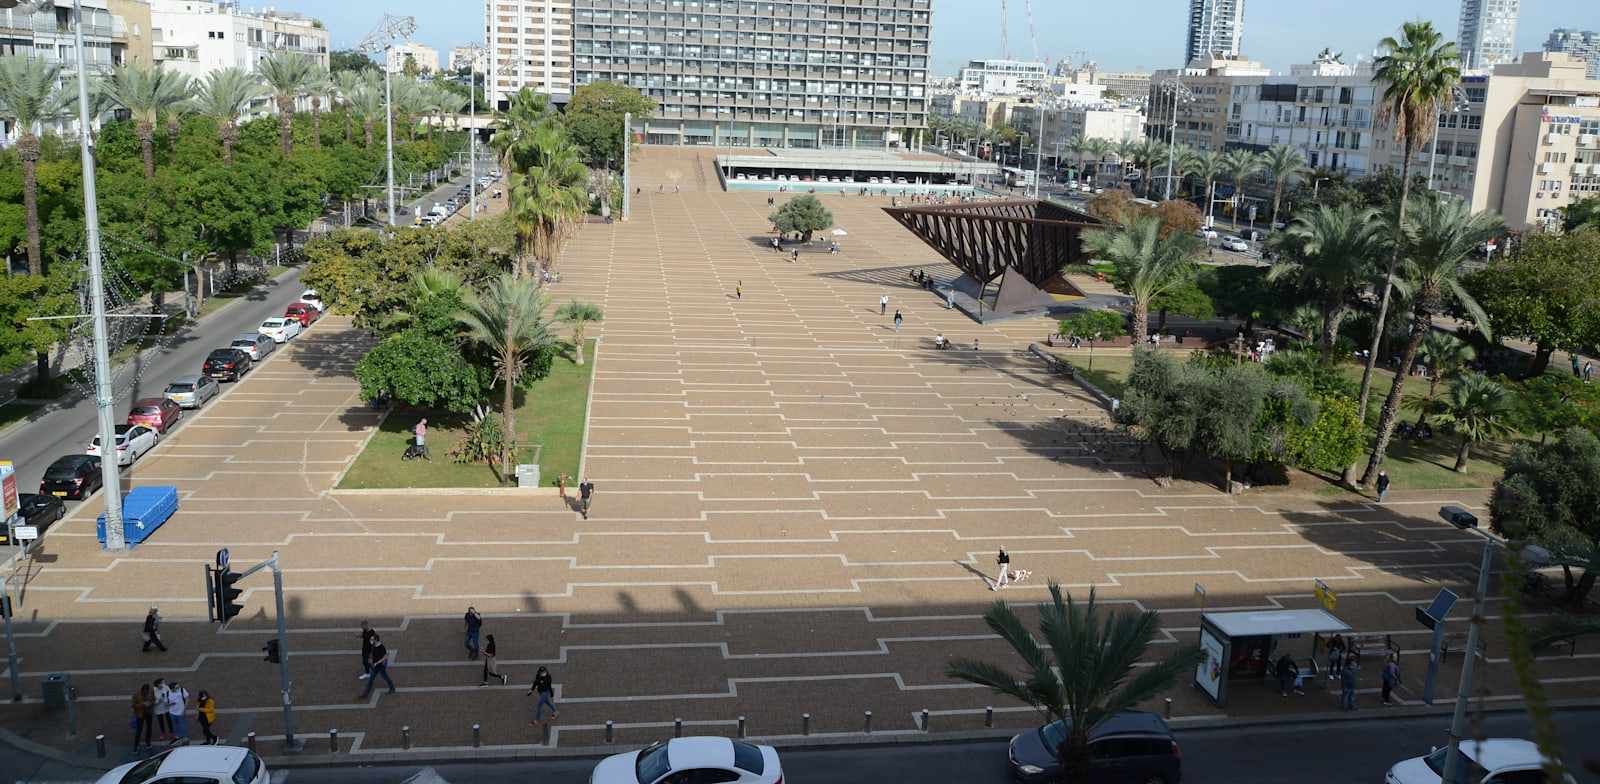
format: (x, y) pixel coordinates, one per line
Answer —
(244, 342)
(1054, 733)
(180, 388)
(248, 768)
(60, 471)
(1467, 769)
(748, 757)
(144, 771)
(653, 763)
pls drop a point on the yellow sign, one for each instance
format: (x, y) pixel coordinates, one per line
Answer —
(1199, 596)
(1327, 597)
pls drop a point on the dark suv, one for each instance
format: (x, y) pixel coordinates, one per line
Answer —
(226, 364)
(1132, 746)
(73, 476)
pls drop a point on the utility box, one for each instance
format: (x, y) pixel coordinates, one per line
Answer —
(54, 686)
(527, 475)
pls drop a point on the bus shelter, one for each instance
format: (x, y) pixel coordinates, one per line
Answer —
(1241, 645)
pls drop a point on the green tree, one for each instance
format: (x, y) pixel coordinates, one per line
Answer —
(1332, 442)
(1187, 299)
(1554, 402)
(420, 370)
(29, 93)
(1240, 163)
(288, 75)
(1085, 671)
(1581, 213)
(1095, 150)
(1546, 291)
(146, 92)
(222, 96)
(1147, 262)
(1206, 165)
(1329, 253)
(577, 315)
(1147, 152)
(507, 319)
(1093, 325)
(350, 60)
(1548, 496)
(1439, 243)
(1446, 357)
(594, 119)
(804, 214)
(1282, 163)
(1480, 409)
(1417, 74)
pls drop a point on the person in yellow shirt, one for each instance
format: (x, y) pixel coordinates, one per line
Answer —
(206, 707)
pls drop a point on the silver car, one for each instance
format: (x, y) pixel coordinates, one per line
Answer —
(192, 391)
(257, 345)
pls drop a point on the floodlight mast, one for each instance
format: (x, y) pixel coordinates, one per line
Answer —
(381, 39)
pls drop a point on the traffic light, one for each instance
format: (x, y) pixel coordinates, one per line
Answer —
(224, 595)
(272, 650)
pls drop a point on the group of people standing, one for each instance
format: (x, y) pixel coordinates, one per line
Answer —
(375, 662)
(166, 706)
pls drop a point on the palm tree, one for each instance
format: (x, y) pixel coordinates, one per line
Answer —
(345, 86)
(1480, 409)
(147, 92)
(1148, 152)
(367, 103)
(288, 76)
(577, 315)
(1206, 165)
(548, 196)
(1445, 355)
(1240, 163)
(1077, 146)
(507, 319)
(1329, 251)
(29, 94)
(1419, 70)
(1440, 239)
(1149, 259)
(1095, 149)
(1183, 163)
(1282, 163)
(318, 87)
(222, 96)
(1084, 672)
(1125, 151)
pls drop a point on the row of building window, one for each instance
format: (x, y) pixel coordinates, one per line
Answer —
(1470, 122)
(826, 104)
(916, 38)
(753, 8)
(748, 53)
(658, 63)
(787, 86)
(711, 20)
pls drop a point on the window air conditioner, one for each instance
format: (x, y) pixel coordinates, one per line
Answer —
(1544, 168)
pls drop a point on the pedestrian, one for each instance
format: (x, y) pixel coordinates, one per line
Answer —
(950, 298)
(897, 320)
(380, 666)
(546, 689)
(561, 482)
(491, 668)
(1382, 485)
(1336, 648)
(474, 625)
(738, 290)
(1004, 578)
(177, 707)
(421, 431)
(1588, 372)
(152, 629)
(883, 304)
(1347, 683)
(794, 255)
(1391, 677)
(662, 188)
(367, 636)
(144, 703)
(160, 691)
(585, 495)
(1288, 675)
(206, 709)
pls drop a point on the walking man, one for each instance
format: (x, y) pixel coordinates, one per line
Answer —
(1391, 676)
(380, 666)
(585, 495)
(367, 636)
(474, 621)
(543, 685)
(950, 298)
(897, 320)
(1382, 485)
(1347, 683)
(1004, 578)
(883, 304)
(152, 629)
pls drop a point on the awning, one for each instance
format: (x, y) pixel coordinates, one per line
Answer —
(1258, 623)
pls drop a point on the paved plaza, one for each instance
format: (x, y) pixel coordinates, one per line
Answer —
(797, 511)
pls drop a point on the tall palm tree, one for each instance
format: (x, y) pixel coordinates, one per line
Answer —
(317, 88)
(1206, 165)
(222, 96)
(288, 76)
(147, 92)
(1330, 251)
(29, 94)
(1147, 152)
(1446, 356)
(1419, 71)
(1480, 409)
(1083, 672)
(507, 319)
(1440, 239)
(1149, 261)
(367, 103)
(1125, 151)
(1282, 163)
(548, 194)
(1183, 163)
(1077, 147)
(345, 86)
(577, 315)
(1239, 163)
(1097, 150)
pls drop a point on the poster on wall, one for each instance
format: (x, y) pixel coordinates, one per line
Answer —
(1209, 672)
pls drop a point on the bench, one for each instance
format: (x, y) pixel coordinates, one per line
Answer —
(1536, 585)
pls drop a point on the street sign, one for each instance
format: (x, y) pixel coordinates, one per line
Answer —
(222, 559)
(1326, 596)
(27, 533)
(1199, 596)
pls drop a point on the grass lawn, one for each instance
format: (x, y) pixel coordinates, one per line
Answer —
(550, 425)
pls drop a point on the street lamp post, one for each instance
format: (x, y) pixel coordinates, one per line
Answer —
(1179, 93)
(1038, 156)
(474, 51)
(1314, 183)
(381, 39)
(1458, 722)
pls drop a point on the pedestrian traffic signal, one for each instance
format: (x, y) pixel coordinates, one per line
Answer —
(272, 650)
(224, 595)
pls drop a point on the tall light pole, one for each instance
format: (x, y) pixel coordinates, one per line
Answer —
(1179, 93)
(1458, 722)
(474, 51)
(1038, 155)
(381, 39)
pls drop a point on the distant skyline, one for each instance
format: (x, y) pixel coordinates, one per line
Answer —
(1142, 35)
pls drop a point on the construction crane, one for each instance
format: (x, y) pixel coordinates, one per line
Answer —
(1031, 37)
(1005, 38)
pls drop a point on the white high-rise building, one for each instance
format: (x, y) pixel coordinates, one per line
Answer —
(1488, 33)
(197, 36)
(530, 45)
(1215, 28)
(424, 57)
(466, 58)
(1584, 45)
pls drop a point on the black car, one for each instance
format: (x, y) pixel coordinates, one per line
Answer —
(36, 510)
(226, 364)
(73, 476)
(1133, 746)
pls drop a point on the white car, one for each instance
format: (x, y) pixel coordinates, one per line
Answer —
(692, 759)
(281, 330)
(1206, 233)
(192, 765)
(1236, 244)
(310, 296)
(133, 441)
(1492, 761)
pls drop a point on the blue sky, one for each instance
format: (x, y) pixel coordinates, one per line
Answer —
(1126, 35)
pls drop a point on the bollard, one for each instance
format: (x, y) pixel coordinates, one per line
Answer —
(988, 716)
(333, 741)
(477, 736)
(866, 723)
(100, 746)
(741, 726)
(677, 728)
(1169, 707)
(924, 719)
(544, 733)
(405, 737)
(608, 731)
(250, 741)
(805, 724)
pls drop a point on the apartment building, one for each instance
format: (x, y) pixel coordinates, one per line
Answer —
(1196, 115)
(1488, 33)
(423, 57)
(1062, 123)
(468, 58)
(1325, 109)
(1584, 44)
(132, 19)
(1001, 77)
(1215, 29)
(530, 45)
(49, 35)
(200, 36)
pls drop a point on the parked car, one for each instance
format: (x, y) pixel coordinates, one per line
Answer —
(281, 330)
(302, 312)
(1206, 233)
(72, 476)
(1491, 761)
(312, 298)
(692, 759)
(1131, 746)
(132, 441)
(36, 510)
(257, 345)
(1236, 244)
(226, 364)
(193, 765)
(158, 413)
(192, 391)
